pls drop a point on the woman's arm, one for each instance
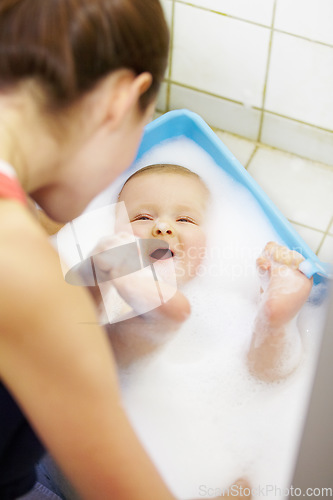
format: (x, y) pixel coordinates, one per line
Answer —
(57, 363)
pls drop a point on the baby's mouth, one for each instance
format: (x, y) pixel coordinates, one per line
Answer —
(162, 254)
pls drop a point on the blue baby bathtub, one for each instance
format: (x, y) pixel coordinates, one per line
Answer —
(184, 123)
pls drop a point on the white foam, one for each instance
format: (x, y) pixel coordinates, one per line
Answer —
(306, 267)
(204, 420)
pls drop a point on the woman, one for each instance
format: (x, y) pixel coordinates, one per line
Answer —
(78, 82)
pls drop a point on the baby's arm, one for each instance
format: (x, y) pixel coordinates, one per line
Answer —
(158, 307)
(276, 347)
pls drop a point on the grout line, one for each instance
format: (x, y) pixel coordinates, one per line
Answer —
(218, 130)
(298, 121)
(302, 37)
(306, 226)
(169, 80)
(324, 236)
(258, 143)
(330, 227)
(320, 244)
(200, 7)
(211, 94)
(324, 233)
(256, 108)
(251, 157)
(267, 73)
(297, 155)
(312, 229)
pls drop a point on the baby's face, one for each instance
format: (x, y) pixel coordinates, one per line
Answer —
(170, 207)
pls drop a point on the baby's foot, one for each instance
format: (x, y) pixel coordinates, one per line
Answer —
(275, 349)
(240, 489)
(287, 288)
(275, 254)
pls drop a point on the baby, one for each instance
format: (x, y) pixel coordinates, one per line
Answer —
(168, 204)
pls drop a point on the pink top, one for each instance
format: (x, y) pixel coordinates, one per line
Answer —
(9, 185)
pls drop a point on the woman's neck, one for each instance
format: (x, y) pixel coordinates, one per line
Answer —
(22, 139)
(9, 151)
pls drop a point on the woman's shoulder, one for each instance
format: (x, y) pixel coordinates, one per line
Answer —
(33, 290)
(19, 231)
(26, 258)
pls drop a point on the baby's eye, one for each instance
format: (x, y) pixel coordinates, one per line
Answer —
(186, 219)
(142, 217)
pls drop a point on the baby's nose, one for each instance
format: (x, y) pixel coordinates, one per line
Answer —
(163, 227)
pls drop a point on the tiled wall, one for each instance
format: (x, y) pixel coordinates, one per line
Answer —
(261, 69)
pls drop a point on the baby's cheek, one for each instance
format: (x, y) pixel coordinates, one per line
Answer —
(200, 244)
(140, 231)
(196, 250)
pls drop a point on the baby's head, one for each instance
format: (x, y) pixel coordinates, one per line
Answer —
(169, 203)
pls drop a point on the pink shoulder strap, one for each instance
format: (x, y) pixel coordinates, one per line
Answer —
(9, 185)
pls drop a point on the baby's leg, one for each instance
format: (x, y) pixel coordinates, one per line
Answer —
(287, 288)
(276, 345)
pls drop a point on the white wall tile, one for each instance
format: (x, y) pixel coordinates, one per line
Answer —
(311, 237)
(258, 11)
(300, 80)
(326, 252)
(241, 148)
(297, 138)
(167, 8)
(309, 18)
(161, 104)
(300, 188)
(217, 112)
(220, 55)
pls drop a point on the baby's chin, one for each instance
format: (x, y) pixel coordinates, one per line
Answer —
(185, 273)
(166, 271)
(175, 273)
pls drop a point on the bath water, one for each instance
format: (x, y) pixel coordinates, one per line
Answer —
(204, 420)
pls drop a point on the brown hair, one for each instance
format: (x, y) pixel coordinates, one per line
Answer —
(70, 45)
(165, 168)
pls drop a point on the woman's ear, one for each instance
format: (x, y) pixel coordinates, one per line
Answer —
(142, 83)
(124, 92)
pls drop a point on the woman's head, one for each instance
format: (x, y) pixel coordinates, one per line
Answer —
(79, 78)
(68, 46)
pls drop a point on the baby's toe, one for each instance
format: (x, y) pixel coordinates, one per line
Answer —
(297, 258)
(279, 255)
(263, 264)
(269, 249)
(282, 255)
